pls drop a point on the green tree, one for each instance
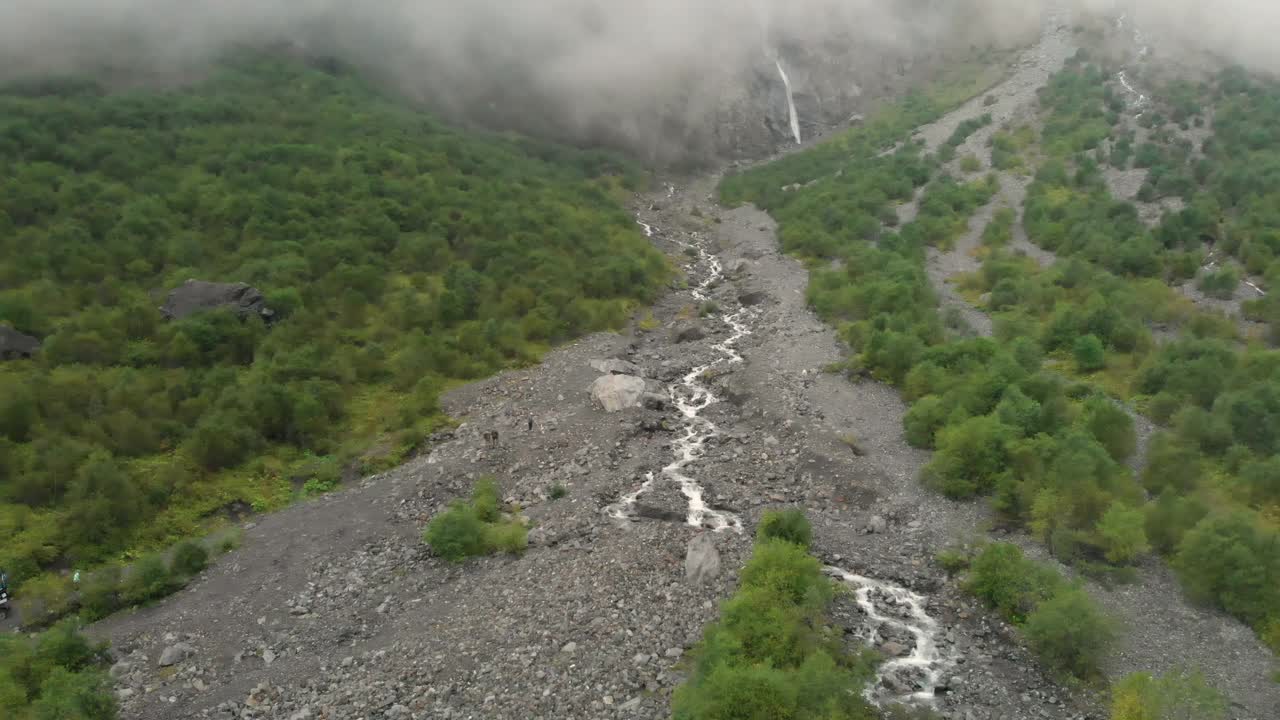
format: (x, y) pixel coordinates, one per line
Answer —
(1112, 426)
(1089, 353)
(1070, 633)
(1122, 534)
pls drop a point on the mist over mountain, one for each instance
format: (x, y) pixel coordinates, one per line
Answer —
(662, 78)
(665, 79)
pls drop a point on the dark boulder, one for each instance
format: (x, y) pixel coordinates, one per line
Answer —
(197, 296)
(15, 345)
(688, 332)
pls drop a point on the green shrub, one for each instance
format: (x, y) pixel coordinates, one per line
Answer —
(189, 558)
(953, 561)
(484, 500)
(773, 655)
(558, 491)
(511, 537)
(56, 675)
(473, 528)
(1069, 633)
(789, 525)
(457, 534)
(1089, 354)
(1007, 581)
(102, 593)
(1179, 695)
(148, 579)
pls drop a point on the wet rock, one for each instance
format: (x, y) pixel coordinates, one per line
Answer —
(893, 649)
(15, 345)
(618, 392)
(701, 559)
(197, 296)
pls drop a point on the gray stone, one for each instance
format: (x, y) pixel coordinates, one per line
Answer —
(175, 654)
(15, 345)
(616, 367)
(752, 296)
(618, 392)
(893, 649)
(119, 670)
(701, 559)
(877, 524)
(569, 647)
(197, 296)
(688, 332)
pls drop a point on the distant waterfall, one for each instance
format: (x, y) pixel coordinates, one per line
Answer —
(791, 103)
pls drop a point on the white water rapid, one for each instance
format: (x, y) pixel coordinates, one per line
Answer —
(691, 396)
(893, 613)
(791, 103)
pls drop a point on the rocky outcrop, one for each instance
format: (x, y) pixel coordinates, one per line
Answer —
(197, 296)
(15, 345)
(618, 392)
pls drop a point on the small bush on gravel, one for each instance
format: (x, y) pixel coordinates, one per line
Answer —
(1070, 633)
(771, 654)
(1010, 583)
(189, 558)
(1061, 622)
(476, 527)
(149, 579)
(789, 525)
(1173, 696)
(558, 491)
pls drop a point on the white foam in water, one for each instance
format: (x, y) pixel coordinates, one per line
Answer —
(890, 606)
(691, 396)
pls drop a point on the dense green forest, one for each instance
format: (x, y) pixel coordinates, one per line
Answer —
(1033, 417)
(398, 255)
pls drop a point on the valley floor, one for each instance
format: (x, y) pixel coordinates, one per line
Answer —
(335, 608)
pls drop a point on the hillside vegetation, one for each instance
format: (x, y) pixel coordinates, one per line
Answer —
(398, 254)
(1032, 417)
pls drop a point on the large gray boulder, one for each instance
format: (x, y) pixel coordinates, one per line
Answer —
(15, 345)
(197, 296)
(701, 559)
(618, 392)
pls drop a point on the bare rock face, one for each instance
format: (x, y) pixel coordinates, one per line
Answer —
(15, 345)
(701, 559)
(197, 296)
(618, 392)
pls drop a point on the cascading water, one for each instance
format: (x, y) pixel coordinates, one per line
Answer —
(791, 103)
(1143, 49)
(892, 613)
(691, 396)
